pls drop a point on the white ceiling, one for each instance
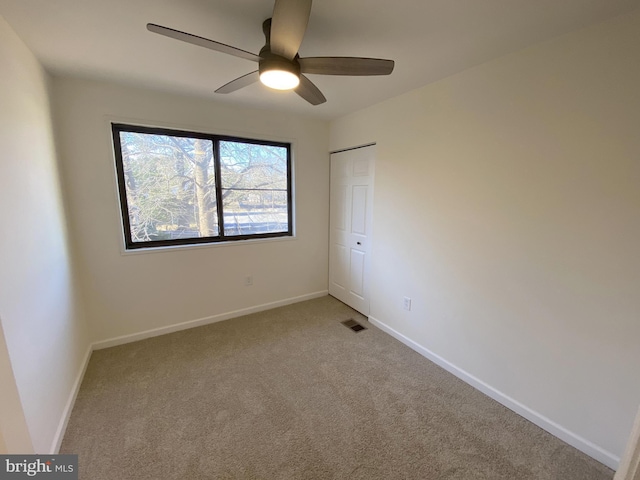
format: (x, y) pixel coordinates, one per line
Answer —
(428, 39)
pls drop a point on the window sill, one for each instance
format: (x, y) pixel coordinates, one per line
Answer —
(235, 243)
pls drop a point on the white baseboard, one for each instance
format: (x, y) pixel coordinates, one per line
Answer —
(134, 337)
(582, 444)
(66, 413)
(630, 462)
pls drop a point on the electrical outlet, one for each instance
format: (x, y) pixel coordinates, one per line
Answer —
(248, 280)
(406, 304)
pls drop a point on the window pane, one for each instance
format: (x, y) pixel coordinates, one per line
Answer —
(254, 188)
(170, 186)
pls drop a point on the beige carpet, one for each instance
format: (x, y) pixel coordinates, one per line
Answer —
(293, 394)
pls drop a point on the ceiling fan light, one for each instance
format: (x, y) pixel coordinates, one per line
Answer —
(279, 79)
(279, 73)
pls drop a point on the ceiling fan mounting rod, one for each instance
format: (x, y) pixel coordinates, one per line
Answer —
(266, 29)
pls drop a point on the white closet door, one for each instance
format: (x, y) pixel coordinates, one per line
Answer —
(350, 224)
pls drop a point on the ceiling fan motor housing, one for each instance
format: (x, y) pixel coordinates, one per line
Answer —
(271, 61)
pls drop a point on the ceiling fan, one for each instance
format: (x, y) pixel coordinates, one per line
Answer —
(279, 65)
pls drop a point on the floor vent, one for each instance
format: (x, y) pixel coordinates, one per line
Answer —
(353, 325)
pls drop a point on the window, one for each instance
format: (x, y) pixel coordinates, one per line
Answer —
(182, 188)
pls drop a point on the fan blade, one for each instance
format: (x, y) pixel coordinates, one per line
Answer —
(346, 66)
(309, 91)
(240, 82)
(288, 24)
(202, 42)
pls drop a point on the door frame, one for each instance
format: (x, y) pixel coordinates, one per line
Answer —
(629, 468)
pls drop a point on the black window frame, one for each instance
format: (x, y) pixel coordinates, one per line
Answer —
(116, 128)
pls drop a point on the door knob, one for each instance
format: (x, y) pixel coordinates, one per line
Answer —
(358, 243)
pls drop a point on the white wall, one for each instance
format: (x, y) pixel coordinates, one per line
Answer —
(13, 424)
(131, 293)
(42, 322)
(507, 205)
